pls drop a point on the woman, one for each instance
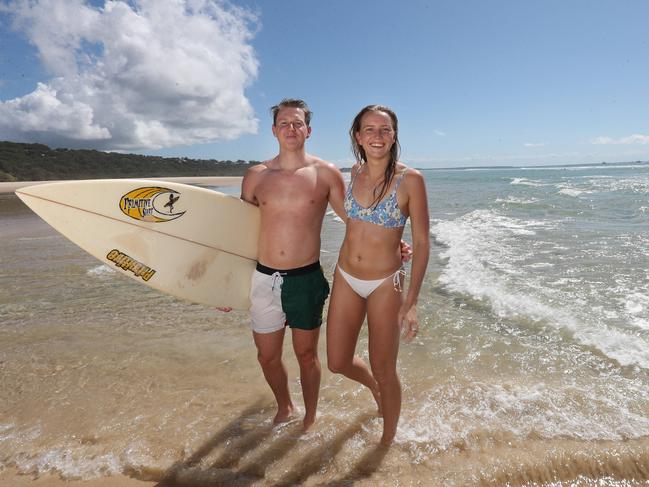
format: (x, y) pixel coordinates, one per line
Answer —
(369, 278)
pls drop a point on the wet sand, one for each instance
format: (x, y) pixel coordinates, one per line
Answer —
(11, 478)
(206, 180)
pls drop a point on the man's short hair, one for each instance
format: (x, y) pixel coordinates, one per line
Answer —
(292, 103)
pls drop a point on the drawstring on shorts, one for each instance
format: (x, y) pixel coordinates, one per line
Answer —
(276, 275)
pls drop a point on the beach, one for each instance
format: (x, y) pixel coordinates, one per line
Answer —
(11, 478)
(531, 367)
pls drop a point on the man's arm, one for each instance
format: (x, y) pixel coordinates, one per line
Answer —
(249, 183)
(336, 190)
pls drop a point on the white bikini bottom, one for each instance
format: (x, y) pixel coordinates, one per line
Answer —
(364, 287)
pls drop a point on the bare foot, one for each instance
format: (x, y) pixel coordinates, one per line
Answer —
(386, 440)
(284, 414)
(377, 398)
(308, 422)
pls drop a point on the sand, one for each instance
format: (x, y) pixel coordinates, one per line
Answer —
(11, 478)
(205, 180)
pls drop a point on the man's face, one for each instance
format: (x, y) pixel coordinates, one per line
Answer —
(290, 128)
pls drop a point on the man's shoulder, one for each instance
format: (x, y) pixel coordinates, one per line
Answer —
(322, 165)
(257, 169)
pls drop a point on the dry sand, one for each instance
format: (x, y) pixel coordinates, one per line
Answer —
(206, 180)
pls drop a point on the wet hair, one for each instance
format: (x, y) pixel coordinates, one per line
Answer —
(395, 150)
(292, 103)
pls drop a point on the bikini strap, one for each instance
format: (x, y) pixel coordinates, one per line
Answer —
(354, 174)
(396, 186)
(397, 277)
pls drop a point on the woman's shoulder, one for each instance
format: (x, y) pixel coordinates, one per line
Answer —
(411, 177)
(407, 172)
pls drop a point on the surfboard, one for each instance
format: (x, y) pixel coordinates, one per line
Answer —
(193, 243)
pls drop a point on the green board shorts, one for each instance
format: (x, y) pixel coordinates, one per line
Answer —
(293, 297)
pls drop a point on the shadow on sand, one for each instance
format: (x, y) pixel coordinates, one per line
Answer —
(189, 472)
(236, 441)
(315, 458)
(363, 469)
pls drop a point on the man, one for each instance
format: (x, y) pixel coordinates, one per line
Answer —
(292, 191)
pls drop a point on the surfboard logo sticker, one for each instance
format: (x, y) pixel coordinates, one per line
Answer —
(152, 204)
(129, 264)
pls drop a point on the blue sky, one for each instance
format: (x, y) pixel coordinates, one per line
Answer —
(473, 83)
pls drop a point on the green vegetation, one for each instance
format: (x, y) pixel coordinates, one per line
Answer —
(37, 162)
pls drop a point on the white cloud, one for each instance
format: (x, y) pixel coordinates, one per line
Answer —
(631, 139)
(440, 133)
(534, 144)
(134, 75)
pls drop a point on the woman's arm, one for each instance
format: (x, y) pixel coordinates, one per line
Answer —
(420, 226)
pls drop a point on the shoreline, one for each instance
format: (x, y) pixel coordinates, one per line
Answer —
(10, 187)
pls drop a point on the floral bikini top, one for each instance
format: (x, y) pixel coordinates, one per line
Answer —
(386, 214)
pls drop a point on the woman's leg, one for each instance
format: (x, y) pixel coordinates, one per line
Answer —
(344, 321)
(382, 310)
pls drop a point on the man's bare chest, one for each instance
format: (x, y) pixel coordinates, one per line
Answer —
(291, 192)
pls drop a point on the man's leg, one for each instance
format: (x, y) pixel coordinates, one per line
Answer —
(305, 345)
(269, 354)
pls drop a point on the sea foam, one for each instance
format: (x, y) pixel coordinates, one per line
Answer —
(493, 258)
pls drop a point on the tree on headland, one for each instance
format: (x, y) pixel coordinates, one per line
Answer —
(37, 162)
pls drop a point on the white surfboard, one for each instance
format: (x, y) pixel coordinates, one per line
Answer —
(190, 242)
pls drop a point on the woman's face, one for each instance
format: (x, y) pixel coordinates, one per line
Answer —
(376, 135)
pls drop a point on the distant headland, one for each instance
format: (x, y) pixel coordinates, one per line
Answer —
(38, 162)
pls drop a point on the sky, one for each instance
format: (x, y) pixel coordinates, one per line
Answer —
(474, 83)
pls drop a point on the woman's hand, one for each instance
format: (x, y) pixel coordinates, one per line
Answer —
(408, 322)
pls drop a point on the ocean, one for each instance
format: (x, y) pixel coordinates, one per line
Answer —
(531, 367)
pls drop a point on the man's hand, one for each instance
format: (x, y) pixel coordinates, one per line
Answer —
(406, 252)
